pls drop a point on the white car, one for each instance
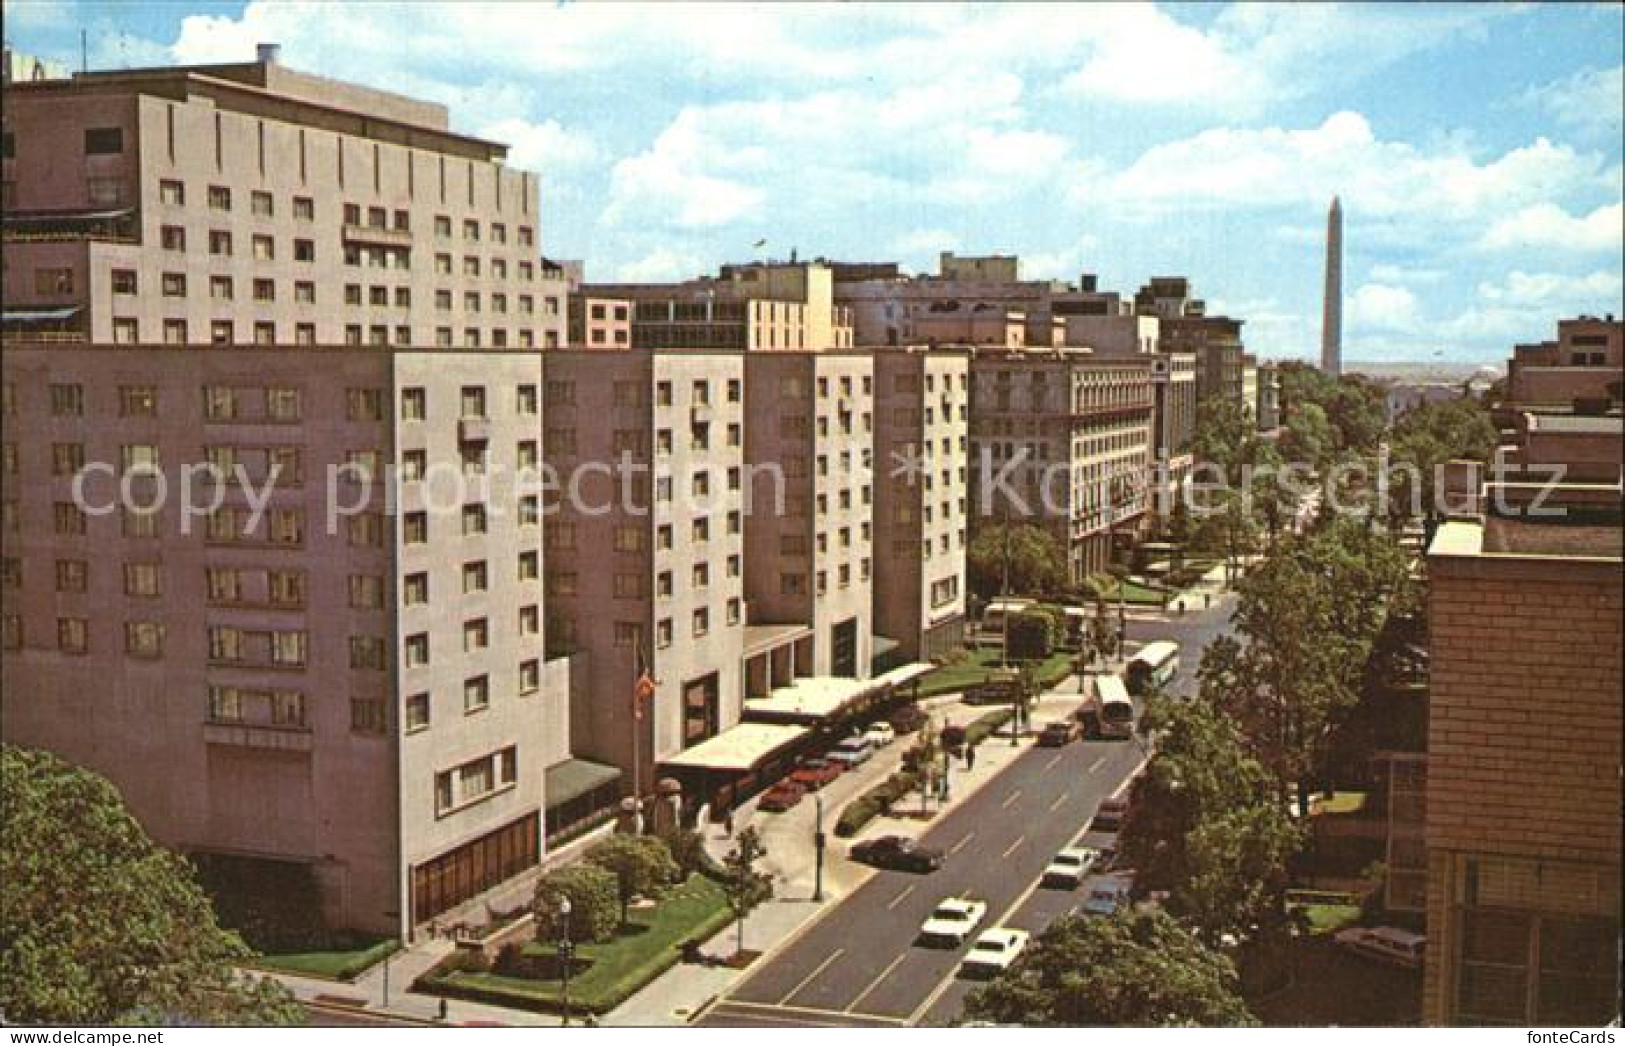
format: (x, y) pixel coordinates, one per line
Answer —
(954, 920)
(1384, 943)
(995, 950)
(852, 752)
(880, 735)
(1070, 866)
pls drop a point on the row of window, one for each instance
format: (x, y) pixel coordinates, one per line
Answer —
(142, 639)
(699, 623)
(476, 780)
(127, 331)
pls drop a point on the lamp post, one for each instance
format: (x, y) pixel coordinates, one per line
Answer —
(818, 846)
(566, 954)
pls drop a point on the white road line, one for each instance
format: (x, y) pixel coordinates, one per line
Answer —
(1019, 840)
(1097, 764)
(961, 844)
(1056, 805)
(1051, 764)
(1013, 797)
(895, 901)
(836, 954)
(876, 982)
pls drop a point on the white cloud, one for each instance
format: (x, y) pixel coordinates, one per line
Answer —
(1384, 272)
(1546, 225)
(1380, 306)
(545, 147)
(1598, 291)
(1589, 100)
(661, 265)
(1064, 264)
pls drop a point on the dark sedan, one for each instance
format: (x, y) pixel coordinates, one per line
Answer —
(895, 853)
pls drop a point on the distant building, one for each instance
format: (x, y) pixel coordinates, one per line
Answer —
(1580, 372)
(992, 267)
(1402, 397)
(1331, 323)
(1269, 397)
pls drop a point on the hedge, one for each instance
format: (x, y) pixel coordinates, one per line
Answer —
(874, 802)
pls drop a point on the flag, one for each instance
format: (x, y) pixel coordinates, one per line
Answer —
(642, 691)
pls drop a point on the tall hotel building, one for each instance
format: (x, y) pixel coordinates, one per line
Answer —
(277, 274)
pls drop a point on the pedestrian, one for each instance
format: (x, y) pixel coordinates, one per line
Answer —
(728, 822)
(1207, 600)
(970, 757)
(442, 1008)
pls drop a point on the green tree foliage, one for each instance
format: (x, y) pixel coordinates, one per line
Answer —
(1133, 969)
(99, 924)
(1207, 826)
(1308, 435)
(1422, 441)
(1353, 404)
(1225, 436)
(1309, 615)
(745, 887)
(595, 909)
(687, 848)
(1032, 634)
(1037, 560)
(641, 864)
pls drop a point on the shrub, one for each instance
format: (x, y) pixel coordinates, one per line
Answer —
(687, 849)
(984, 726)
(1032, 635)
(595, 909)
(876, 801)
(642, 865)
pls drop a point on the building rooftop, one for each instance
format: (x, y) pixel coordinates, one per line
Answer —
(1578, 424)
(1522, 537)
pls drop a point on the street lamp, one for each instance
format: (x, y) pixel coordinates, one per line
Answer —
(566, 953)
(818, 846)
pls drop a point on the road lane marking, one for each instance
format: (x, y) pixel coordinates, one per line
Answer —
(836, 954)
(1128, 778)
(876, 982)
(770, 1010)
(1051, 764)
(961, 844)
(1013, 797)
(1012, 849)
(895, 901)
(1056, 805)
(1097, 764)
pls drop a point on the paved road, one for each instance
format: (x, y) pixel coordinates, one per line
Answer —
(860, 967)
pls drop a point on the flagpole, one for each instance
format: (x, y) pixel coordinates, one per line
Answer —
(637, 741)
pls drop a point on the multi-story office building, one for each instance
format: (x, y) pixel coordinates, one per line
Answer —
(1269, 397)
(1173, 390)
(1522, 826)
(277, 275)
(810, 435)
(1064, 439)
(646, 546)
(922, 424)
(1584, 367)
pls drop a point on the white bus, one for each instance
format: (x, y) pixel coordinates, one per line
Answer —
(1153, 668)
(1109, 712)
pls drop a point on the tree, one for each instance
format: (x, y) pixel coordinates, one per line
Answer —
(1308, 435)
(99, 924)
(1207, 826)
(1037, 560)
(1032, 634)
(745, 887)
(1102, 631)
(594, 901)
(641, 864)
(1132, 969)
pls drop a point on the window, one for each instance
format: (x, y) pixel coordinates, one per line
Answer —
(530, 676)
(68, 518)
(103, 141)
(220, 288)
(53, 281)
(417, 712)
(265, 290)
(366, 592)
(628, 634)
(416, 589)
(530, 620)
(219, 198)
(283, 404)
(367, 716)
(220, 242)
(417, 650)
(142, 580)
(702, 622)
(529, 566)
(476, 694)
(72, 575)
(663, 633)
(526, 399)
(304, 209)
(171, 192)
(72, 635)
(67, 458)
(474, 520)
(473, 402)
(475, 577)
(124, 281)
(304, 250)
(264, 248)
(172, 237)
(366, 653)
(260, 204)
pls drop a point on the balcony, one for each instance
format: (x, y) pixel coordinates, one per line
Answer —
(117, 225)
(256, 735)
(376, 236)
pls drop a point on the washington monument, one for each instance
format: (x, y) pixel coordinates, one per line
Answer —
(1331, 319)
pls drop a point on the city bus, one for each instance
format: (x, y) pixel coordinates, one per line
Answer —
(1109, 712)
(1153, 668)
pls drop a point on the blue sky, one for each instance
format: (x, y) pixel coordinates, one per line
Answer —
(1477, 149)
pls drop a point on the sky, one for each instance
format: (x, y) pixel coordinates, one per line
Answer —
(1476, 149)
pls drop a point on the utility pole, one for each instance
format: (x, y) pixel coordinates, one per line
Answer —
(818, 846)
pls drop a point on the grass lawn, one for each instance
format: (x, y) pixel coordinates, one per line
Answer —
(643, 951)
(337, 965)
(978, 664)
(1329, 918)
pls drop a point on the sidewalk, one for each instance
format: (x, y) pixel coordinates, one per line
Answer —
(683, 990)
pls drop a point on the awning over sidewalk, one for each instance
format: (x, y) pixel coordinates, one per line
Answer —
(739, 748)
(574, 778)
(816, 699)
(760, 638)
(38, 315)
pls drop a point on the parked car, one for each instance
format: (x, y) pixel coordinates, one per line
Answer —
(1384, 943)
(1109, 815)
(1070, 867)
(1106, 893)
(852, 752)
(814, 774)
(880, 735)
(953, 921)
(1058, 734)
(995, 691)
(781, 797)
(994, 951)
(907, 720)
(898, 854)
